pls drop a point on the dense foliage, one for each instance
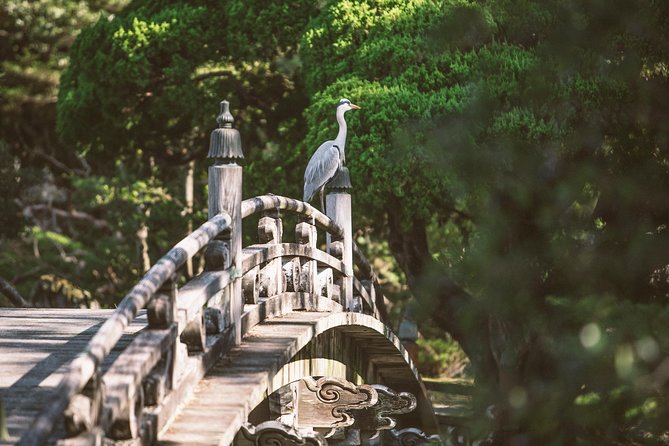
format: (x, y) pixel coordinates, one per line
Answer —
(513, 154)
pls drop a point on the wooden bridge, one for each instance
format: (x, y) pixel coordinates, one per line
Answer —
(276, 343)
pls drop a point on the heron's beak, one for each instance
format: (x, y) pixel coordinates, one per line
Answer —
(354, 107)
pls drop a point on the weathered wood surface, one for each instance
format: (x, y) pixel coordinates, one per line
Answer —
(255, 255)
(35, 346)
(241, 379)
(268, 202)
(106, 338)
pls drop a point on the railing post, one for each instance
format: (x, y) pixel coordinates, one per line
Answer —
(305, 234)
(338, 208)
(270, 231)
(225, 194)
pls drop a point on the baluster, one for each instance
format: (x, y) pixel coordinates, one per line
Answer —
(305, 235)
(195, 334)
(217, 258)
(161, 310)
(291, 273)
(128, 424)
(325, 282)
(338, 208)
(225, 194)
(251, 285)
(84, 410)
(162, 314)
(270, 231)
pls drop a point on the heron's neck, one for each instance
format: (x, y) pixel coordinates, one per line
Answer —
(340, 140)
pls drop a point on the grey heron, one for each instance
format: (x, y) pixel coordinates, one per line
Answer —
(328, 158)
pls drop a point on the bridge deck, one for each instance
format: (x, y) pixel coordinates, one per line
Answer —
(35, 346)
(225, 397)
(239, 380)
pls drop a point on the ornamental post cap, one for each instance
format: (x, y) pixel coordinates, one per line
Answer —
(225, 143)
(341, 182)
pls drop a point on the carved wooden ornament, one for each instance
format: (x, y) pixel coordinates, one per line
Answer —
(275, 433)
(411, 437)
(389, 403)
(328, 402)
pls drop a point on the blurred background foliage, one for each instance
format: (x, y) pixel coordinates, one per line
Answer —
(510, 166)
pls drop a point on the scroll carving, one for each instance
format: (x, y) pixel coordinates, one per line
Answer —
(329, 402)
(411, 437)
(274, 433)
(378, 416)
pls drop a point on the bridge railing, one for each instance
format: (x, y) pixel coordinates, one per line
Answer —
(190, 327)
(274, 266)
(81, 393)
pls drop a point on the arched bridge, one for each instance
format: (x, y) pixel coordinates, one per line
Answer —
(279, 342)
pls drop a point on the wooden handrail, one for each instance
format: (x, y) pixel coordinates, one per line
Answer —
(362, 263)
(83, 367)
(269, 202)
(367, 272)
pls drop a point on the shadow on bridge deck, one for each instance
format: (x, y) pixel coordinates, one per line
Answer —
(35, 346)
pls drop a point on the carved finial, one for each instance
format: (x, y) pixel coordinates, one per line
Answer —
(225, 143)
(225, 118)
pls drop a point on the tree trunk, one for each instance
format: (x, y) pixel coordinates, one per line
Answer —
(143, 247)
(453, 309)
(189, 210)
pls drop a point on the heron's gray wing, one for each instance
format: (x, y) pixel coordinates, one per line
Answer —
(321, 168)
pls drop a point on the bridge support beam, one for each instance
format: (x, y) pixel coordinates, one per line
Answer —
(338, 208)
(225, 194)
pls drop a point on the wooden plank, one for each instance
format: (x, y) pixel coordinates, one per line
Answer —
(238, 382)
(36, 345)
(195, 294)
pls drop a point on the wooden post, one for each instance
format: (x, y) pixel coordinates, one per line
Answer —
(225, 194)
(338, 208)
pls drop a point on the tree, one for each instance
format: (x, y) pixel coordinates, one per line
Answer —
(35, 38)
(513, 153)
(140, 80)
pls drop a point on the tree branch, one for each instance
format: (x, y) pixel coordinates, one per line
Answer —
(218, 73)
(71, 214)
(12, 294)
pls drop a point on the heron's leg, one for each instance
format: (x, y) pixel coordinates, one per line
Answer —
(322, 202)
